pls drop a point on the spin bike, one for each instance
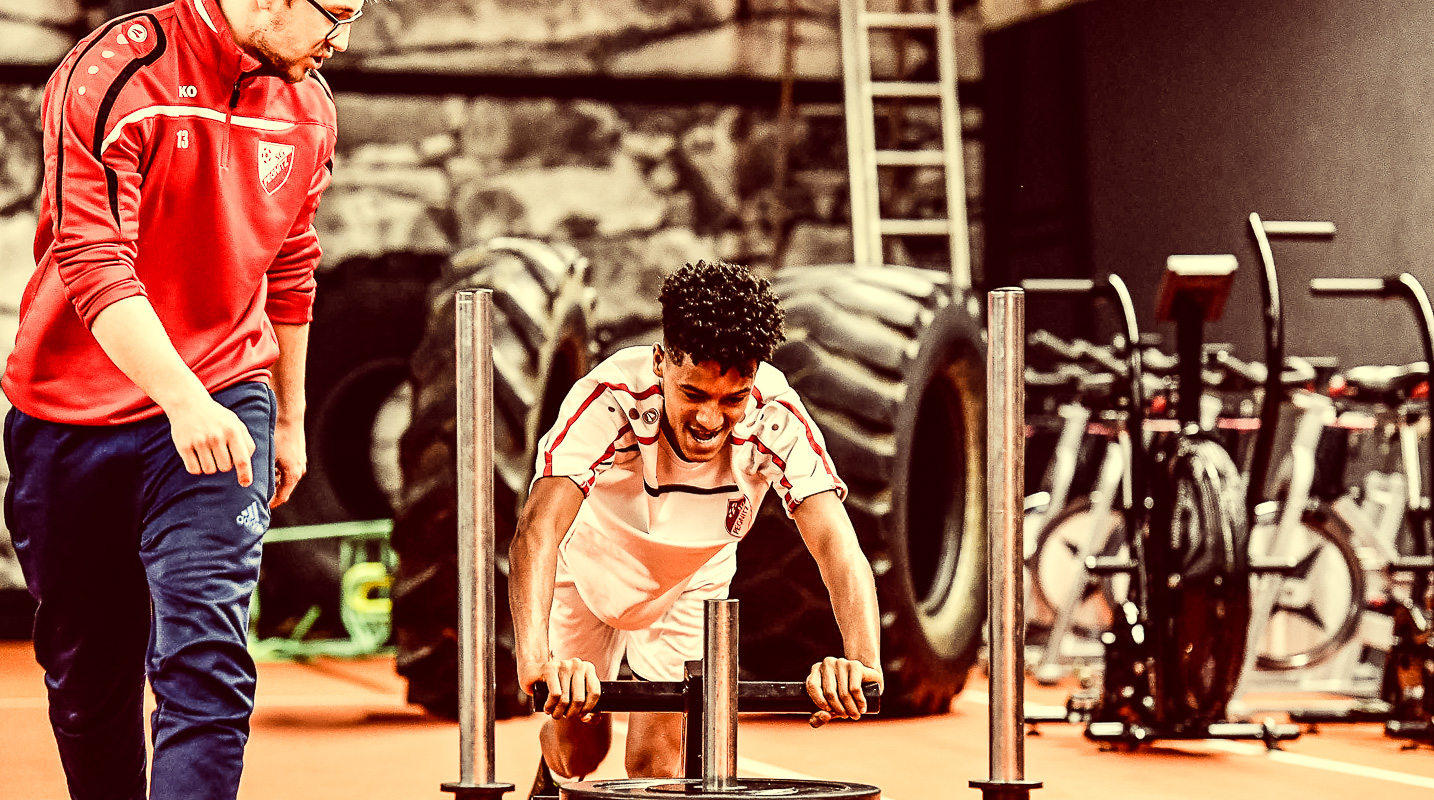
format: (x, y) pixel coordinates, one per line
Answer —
(1063, 605)
(1407, 686)
(1177, 643)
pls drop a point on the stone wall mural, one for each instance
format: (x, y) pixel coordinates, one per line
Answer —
(639, 184)
(636, 187)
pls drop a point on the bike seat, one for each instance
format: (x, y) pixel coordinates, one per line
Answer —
(1393, 384)
(1299, 372)
(1158, 363)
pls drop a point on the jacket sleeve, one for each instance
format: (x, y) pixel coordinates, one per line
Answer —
(291, 276)
(94, 174)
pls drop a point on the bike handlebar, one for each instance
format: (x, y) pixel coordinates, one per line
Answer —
(1292, 228)
(1058, 285)
(1078, 350)
(1252, 371)
(1355, 287)
(1055, 344)
(1113, 287)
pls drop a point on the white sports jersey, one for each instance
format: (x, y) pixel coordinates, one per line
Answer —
(654, 523)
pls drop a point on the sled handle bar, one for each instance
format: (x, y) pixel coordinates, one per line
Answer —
(753, 697)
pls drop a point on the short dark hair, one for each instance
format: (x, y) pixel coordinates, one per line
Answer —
(715, 311)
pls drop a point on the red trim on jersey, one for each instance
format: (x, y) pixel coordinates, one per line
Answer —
(811, 437)
(606, 454)
(557, 440)
(611, 452)
(776, 459)
(597, 392)
(636, 395)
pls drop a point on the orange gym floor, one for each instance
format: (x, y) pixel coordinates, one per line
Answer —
(341, 729)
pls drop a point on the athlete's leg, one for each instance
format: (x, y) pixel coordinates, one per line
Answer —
(654, 745)
(573, 748)
(72, 506)
(659, 653)
(200, 549)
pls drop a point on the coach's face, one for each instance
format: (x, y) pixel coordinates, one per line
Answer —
(701, 403)
(295, 36)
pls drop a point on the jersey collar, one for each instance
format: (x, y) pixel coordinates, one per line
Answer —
(208, 31)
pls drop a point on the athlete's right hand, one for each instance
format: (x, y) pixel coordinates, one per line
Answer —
(573, 686)
(210, 438)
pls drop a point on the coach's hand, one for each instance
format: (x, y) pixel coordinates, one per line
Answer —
(210, 438)
(834, 684)
(290, 460)
(573, 687)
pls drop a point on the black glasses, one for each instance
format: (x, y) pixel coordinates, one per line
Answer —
(338, 23)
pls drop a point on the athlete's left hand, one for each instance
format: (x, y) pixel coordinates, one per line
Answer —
(290, 461)
(834, 684)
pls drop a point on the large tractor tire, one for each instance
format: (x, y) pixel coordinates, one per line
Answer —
(891, 364)
(369, 316)
(540, 348)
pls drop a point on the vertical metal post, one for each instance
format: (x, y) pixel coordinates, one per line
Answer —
(1005, 471)
(477, 683)
(1005, 518)
(719, 695)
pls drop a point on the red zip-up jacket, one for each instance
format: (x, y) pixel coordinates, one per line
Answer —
(175, 172)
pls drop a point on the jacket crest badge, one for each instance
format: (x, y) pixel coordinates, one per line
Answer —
(737, 513)
(276, 161)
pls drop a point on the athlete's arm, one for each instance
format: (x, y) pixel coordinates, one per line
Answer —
(290, 459)
(835, 683)
(209, 437)
(573, 686)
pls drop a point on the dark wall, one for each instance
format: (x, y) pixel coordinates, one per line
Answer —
(1190, 115)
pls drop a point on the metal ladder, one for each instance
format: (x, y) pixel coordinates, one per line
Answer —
(867, 225)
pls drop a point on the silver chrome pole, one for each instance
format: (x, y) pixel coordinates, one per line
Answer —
(1005, 517)
(473, 312)
(719, 695)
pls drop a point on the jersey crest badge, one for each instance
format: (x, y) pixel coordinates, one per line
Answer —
(276, 161)
(737, 513)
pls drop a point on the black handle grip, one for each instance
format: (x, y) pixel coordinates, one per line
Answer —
(756, 697)
(1058, 285)
(1353, 287)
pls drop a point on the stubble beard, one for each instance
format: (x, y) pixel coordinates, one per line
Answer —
(290, 70)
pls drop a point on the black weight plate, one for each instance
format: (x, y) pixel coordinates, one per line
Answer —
(745, 789)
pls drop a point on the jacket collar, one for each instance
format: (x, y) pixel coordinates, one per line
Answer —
(208, 33)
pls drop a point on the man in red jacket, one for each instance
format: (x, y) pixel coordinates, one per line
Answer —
(158, 373)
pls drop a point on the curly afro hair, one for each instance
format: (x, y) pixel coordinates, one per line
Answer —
(715, 311)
